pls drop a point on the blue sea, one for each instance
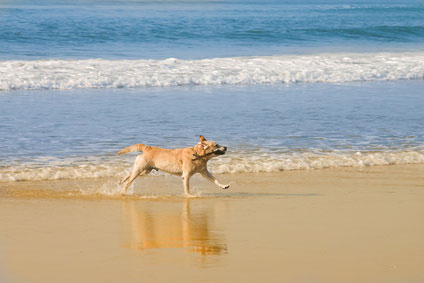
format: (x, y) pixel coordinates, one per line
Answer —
(286, 85)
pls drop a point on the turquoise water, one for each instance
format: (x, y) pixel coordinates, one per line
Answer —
(204, 29)
(284, 84)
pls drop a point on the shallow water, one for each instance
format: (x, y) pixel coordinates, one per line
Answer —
(76, 134)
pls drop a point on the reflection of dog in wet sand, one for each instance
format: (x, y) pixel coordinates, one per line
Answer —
(174, 225)
(184, 162)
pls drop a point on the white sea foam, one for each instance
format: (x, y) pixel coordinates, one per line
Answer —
(305, 161)
(99, 73)
(232, 163)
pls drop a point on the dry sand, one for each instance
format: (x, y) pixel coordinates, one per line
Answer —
(335, 225)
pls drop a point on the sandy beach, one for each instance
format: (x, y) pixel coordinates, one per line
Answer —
(335, 225)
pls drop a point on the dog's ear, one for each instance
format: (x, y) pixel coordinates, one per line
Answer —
(200, 148)
(202, 139)
(204, 146)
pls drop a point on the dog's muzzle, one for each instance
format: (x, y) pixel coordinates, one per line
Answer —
(220, 151)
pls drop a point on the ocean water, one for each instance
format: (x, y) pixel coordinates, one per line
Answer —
(286, 85)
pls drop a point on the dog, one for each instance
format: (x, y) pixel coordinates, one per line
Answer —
(184, 162)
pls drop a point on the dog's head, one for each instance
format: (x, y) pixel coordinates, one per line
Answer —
(207, 149)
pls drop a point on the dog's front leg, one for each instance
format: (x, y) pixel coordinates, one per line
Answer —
(211, 178)
(186, 183)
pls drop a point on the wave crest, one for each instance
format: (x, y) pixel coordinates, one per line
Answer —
(99, 73)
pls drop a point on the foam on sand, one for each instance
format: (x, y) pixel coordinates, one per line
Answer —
(238, 162)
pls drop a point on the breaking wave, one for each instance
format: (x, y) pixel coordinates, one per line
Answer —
(99, 73)
(230, 164)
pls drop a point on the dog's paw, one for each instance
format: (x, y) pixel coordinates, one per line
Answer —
(225, 187)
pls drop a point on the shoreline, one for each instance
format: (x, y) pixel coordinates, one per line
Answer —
(168, 186)
(328, 225)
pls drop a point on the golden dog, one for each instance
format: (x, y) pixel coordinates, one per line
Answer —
(184, 162)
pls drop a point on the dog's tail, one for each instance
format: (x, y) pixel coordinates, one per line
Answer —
(131, 148)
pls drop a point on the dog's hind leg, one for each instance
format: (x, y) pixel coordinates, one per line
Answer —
(133, 175)
(125, 179)
(140, 168)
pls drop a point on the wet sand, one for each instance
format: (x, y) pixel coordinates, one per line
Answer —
(335, 225)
